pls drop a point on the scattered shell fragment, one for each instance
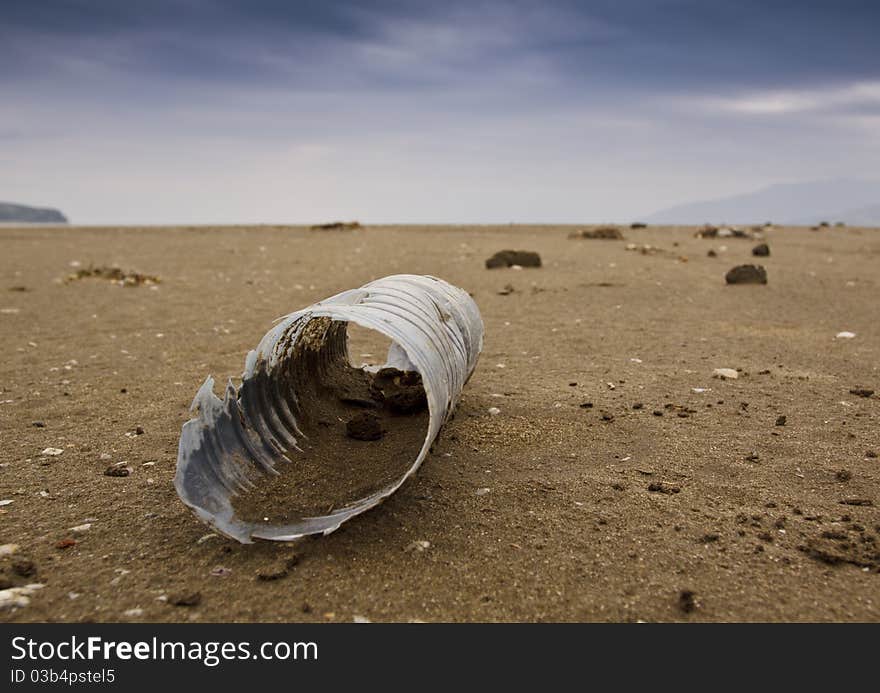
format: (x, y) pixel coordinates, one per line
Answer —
(81, 529)
(845, 335)
(51, 451)
(725, 373)
(244, 439)
(5, 502)
(8, 549)
(18, 597)
(417, 546)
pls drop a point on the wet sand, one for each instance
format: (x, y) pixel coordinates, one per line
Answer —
(693, 506)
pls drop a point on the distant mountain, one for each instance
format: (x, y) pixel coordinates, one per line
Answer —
(10, 212)
(850, 201)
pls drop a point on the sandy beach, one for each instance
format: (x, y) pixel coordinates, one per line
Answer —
(620, 481)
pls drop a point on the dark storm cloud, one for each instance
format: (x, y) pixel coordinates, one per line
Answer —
(662, 44)
(455, 111)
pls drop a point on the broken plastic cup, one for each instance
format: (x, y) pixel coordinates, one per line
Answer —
(310, 439)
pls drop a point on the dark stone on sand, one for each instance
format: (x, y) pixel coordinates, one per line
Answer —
(117, 470)
(761, 250)
(861, 392)
(711, 253)
(662, 487)
(364, 426)
(407, 400)
(38, 424)
(687, 601)
(746, 274)
(508, 258)
(401, 391)
(780, 420)
(638, 225)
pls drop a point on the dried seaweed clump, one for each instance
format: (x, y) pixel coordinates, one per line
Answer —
(604, 233)
(115, 275)
(337, 226)
(513, 258)
(725, 232)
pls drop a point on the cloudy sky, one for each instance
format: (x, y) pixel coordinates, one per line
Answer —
(226, 111)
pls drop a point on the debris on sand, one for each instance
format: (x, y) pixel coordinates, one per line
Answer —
(711, 253)
(644, 249)
(114, 275)
(602, 233)
(507, 290)
(418, 546)
(861, 392)
(709, 231)
(364, 426)
(854, 546)
(761, 250)
(638, 225)
(278, 569)
(687, 601)
(259, 464)
(51, 452)
(845, 335)
(746, 274)
(510, 258)
(18, 597)
(781, 420)
(401, 391)
(337, 226)
(725, 373)
(663, 487)
(118, 469)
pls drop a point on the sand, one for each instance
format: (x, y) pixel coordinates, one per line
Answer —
(693, 506)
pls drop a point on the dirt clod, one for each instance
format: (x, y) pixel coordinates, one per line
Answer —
(687, 601)
(509, 258)
(746, 274)
(364, 426)
(663, 487)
